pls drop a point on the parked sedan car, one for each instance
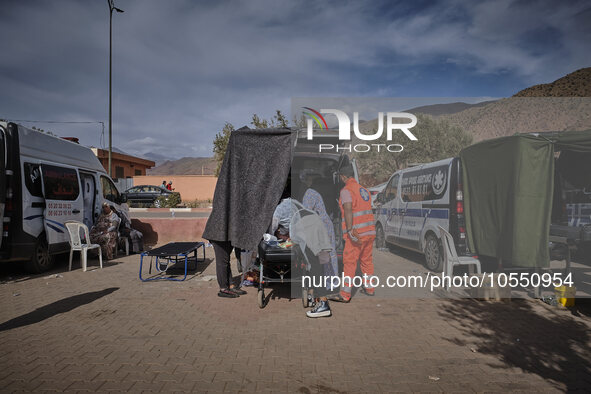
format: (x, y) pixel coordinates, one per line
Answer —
(147, 195)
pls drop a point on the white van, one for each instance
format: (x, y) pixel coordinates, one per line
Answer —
(415, 201)
(45, 181)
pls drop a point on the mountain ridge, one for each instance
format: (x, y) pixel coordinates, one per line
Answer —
(185, 166)
(575, 84)
(556, 106)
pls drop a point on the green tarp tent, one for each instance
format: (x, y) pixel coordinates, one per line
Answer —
(508, 189)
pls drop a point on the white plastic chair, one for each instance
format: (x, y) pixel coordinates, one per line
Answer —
(450, 256)
(76, 243)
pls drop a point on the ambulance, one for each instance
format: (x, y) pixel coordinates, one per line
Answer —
(414, 202)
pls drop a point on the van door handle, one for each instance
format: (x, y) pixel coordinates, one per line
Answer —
(76, 211)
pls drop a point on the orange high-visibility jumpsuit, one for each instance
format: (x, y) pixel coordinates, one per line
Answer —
(363, 222)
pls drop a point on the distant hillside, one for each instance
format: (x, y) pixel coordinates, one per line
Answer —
(524, 114)
(446, 109)
(575, 84)
(558, 106)
(563, 105)
(117, 150)
(155, 157)
(185, 166)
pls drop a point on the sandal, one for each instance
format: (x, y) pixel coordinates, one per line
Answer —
(338, 298)
(364, 291)
(238, 291)
(227, 293)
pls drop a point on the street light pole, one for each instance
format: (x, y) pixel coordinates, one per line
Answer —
(111, 8)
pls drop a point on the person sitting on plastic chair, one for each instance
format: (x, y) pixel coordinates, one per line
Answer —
(104, 232)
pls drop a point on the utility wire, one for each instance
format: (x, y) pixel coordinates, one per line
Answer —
(52, 121)
(102, 139)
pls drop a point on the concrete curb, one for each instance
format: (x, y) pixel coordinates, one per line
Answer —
(169, 209)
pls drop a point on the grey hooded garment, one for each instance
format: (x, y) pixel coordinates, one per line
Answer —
(252, 178)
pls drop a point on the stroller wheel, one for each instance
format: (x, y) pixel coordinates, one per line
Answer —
(305, 297)
(261, 298)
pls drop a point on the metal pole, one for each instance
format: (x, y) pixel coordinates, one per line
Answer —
(111, 8)
(110, 66)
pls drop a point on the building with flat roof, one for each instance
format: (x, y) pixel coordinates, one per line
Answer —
(123, 165)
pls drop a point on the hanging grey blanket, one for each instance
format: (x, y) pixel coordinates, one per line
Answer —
(249, 187)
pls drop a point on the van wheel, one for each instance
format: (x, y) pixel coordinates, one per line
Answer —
(41, 260)
(305, 297)
(380, 238)
(433, 255)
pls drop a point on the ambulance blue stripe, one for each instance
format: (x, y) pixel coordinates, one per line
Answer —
(33, 217)
(436, 213)
(440, 213)
(55, 223)
(54, 228)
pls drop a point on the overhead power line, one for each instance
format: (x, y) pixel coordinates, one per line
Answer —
(102, 142)
(54, 121)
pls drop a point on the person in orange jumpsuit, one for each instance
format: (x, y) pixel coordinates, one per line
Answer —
(358, 232)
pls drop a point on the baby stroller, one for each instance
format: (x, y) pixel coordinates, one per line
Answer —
(286, 265)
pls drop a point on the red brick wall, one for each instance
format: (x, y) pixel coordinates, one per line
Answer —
(160, 231)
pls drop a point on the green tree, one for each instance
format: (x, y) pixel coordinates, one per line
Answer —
(259, 123)
(220, 143)
(299, 123)
(278, 120)
(436, 140)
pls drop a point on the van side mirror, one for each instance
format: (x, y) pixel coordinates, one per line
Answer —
(122, 199)
(380, 197)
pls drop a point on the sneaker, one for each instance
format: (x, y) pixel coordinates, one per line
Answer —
(247, 283)
(237, 291)
(322, 309)
(226, 293)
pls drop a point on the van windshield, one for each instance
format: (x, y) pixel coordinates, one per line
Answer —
(110, 191)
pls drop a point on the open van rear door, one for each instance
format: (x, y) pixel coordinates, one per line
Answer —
(63, 202)
(2, 180)
(355, 170)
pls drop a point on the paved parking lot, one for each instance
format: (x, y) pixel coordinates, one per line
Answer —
(104, 330)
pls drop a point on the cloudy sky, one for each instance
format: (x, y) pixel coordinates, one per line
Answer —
(181, 68)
